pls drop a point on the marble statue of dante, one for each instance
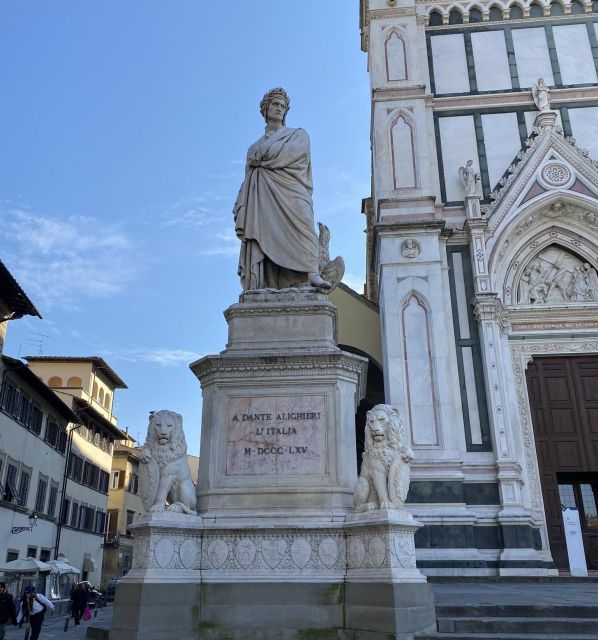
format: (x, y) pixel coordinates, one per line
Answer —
(274, 216)
(541, 94)
(470, 179)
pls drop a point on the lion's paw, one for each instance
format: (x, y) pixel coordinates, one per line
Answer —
(387, 504)
(370, 506)
(157, 508)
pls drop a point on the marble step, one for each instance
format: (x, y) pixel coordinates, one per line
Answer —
(519, 625)
(518, 610)
(504, 636)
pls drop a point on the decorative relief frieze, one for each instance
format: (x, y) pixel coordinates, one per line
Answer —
(357, 545)
(281, 551)
(166, 549)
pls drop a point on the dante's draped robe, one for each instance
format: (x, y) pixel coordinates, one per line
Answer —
(274, 216)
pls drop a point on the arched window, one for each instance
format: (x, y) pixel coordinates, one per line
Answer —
(403, 154)
(74, 381)
(475, 15)
(577, 7)
(516, 12)
(94, 392)
(107, 400)
(396, 57)
(101, 396)
(455, 17)
(556, 9)
(419, 371)
(435, 19)
(495, 13)
(536, 10)
(55, 382)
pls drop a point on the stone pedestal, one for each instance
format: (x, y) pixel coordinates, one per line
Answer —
(385, 591)
(277, 551)
(278, 424)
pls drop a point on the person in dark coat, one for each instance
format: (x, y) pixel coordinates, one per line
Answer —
(8, 611)
(79, 601)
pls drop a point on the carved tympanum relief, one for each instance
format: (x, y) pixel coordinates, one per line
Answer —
(556, 276)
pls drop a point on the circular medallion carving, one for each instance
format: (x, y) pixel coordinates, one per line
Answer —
(328, 551)
(556, 174)
(245, 552)
(217, 553)
(410, 248)
(301, 552)
(273, 551)
(377, 550)
(356, 553)
(404, 551)
(188, 553)
(163, 552)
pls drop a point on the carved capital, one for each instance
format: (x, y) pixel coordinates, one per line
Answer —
(488, 307)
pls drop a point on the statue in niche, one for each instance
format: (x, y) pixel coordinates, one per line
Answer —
(384, 479)
(164, 472)
(471, 180)
(541, 94)
(556, 276)
(273, 213)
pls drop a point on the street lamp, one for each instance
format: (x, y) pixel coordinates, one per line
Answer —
(32, 523)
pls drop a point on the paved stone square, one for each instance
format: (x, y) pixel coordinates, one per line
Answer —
(53, 628)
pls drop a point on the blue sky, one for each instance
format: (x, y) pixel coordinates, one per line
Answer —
(124, 128)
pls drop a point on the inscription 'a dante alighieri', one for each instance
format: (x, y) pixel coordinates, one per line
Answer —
(276, 435)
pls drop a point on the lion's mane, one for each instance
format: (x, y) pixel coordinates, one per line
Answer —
(388, 449)
(177, 446)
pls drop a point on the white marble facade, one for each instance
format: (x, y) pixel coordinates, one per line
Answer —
(458, 376)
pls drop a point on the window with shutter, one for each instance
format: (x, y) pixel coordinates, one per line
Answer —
(52, 498)
(10, 486)
(24, 482)
(40, 499)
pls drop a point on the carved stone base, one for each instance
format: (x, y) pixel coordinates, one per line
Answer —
(275, 321)
(269, 581)
(546, 119)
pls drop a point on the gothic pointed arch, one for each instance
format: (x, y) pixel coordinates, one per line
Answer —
(403, 145)
(395, 54)
(420, 374)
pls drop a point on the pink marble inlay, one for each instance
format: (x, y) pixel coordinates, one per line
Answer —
(276, 435)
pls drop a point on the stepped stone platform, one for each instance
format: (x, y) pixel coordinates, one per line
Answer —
(561, 609)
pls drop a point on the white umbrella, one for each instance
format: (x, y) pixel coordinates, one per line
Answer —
(59, 566)
(25, 565)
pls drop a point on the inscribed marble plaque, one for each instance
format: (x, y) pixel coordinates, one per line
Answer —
(276, 435)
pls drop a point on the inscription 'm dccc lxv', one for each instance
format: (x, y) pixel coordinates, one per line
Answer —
(276, 435)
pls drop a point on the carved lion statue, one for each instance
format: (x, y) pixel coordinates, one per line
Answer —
(164, 473)
(384, 479)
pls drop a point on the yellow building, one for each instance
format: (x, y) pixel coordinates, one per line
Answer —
(358, 331)
(124, 502)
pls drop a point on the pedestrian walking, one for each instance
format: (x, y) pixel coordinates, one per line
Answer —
(79, 601)
(33, 609)
(8, 611)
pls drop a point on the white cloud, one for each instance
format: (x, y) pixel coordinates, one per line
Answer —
(354, 281)
(221, 243)
(61, 261)
(158, 355)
